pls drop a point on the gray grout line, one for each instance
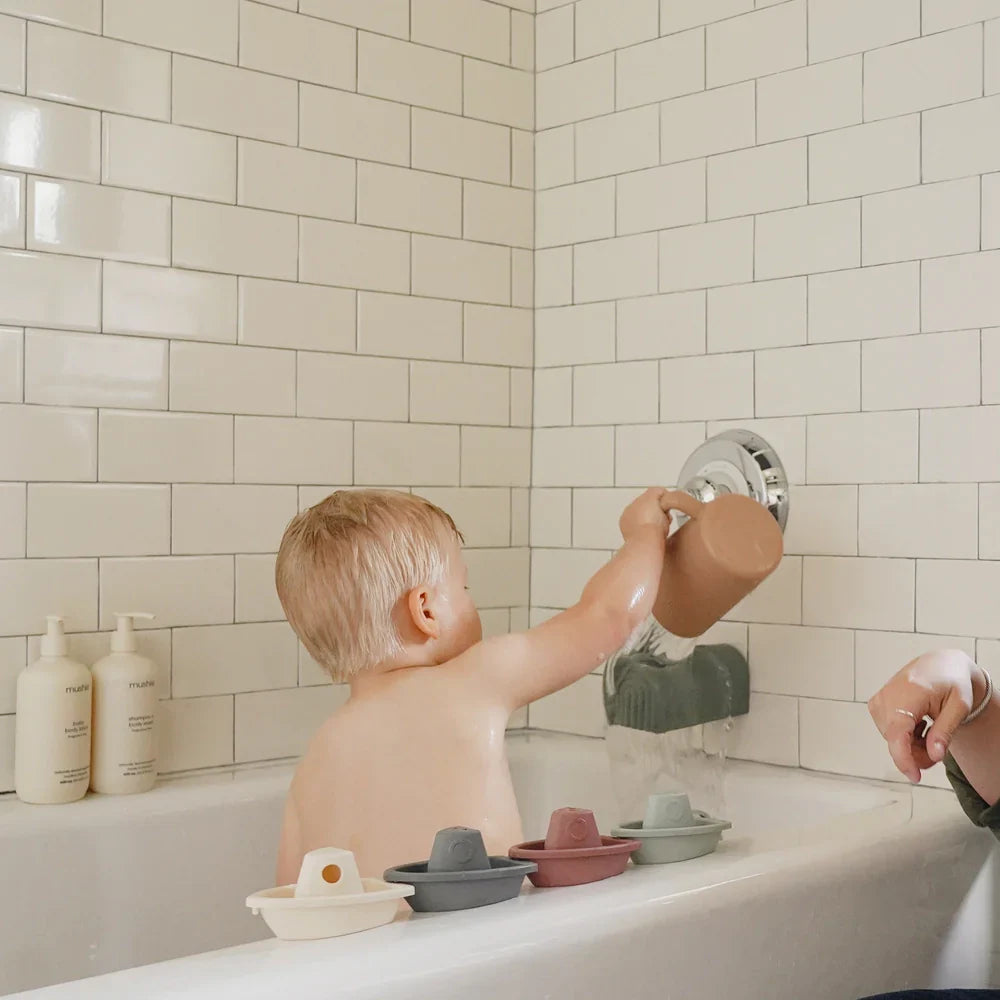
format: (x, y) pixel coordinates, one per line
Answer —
(253, 209)
(807, 5)
(920, 149)
(980, 194)
(982, 370)
(744, 150)
(694, 94)
(241, 414)
(704, 59)
(861, 232)
(259, 138)
(979, 520)
(510, 38)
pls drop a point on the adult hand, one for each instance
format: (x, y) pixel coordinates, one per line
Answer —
(939, 686)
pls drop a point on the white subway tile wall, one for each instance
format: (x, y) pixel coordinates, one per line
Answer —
(251, 253)
(521, 263)
(812, 255)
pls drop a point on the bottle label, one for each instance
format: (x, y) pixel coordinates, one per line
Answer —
(140, 723)
(73, 775)
(136, 768)
(77, 729)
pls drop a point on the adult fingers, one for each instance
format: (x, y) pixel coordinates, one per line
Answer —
(952, 715)
(899, 734)
(920, 755)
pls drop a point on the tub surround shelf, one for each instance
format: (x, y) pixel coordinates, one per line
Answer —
(172, 795)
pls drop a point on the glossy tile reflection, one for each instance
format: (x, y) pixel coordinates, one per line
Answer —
(12, 42)
(98, 221)
(98, 72)
(81, 369)
(11, 364)
(49, 138)
(49, 290)
(166, 302)
(11, 210)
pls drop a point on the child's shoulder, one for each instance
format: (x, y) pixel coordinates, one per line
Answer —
(485, 661)
(331, 732)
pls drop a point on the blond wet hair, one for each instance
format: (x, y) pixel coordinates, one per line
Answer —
(344, 564)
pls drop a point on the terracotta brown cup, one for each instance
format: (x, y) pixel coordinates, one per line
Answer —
(721, 554)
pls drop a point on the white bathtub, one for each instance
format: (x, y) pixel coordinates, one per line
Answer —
(825, 889)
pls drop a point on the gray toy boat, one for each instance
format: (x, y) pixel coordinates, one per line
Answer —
(460, 875)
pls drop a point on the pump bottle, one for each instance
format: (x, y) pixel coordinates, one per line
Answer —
(52, 727)
(125, 708)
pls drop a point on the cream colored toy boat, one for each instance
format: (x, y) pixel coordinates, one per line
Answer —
(329, 899)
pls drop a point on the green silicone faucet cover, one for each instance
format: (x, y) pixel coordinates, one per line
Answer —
(645, 689)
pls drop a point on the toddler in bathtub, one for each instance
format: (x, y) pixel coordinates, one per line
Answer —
(375, 586)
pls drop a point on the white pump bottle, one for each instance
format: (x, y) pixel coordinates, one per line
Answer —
(125, 708)
(52, 727)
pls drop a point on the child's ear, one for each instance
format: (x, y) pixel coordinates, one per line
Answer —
(419, 603)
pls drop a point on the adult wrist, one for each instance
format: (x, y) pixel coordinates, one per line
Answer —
(982, 694)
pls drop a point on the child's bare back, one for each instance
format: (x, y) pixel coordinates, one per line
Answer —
(387, 771)
(375, 585)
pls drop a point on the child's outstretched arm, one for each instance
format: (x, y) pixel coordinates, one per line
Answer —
(529, 665)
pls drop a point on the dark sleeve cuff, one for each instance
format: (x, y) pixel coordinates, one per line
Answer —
(974, 805)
